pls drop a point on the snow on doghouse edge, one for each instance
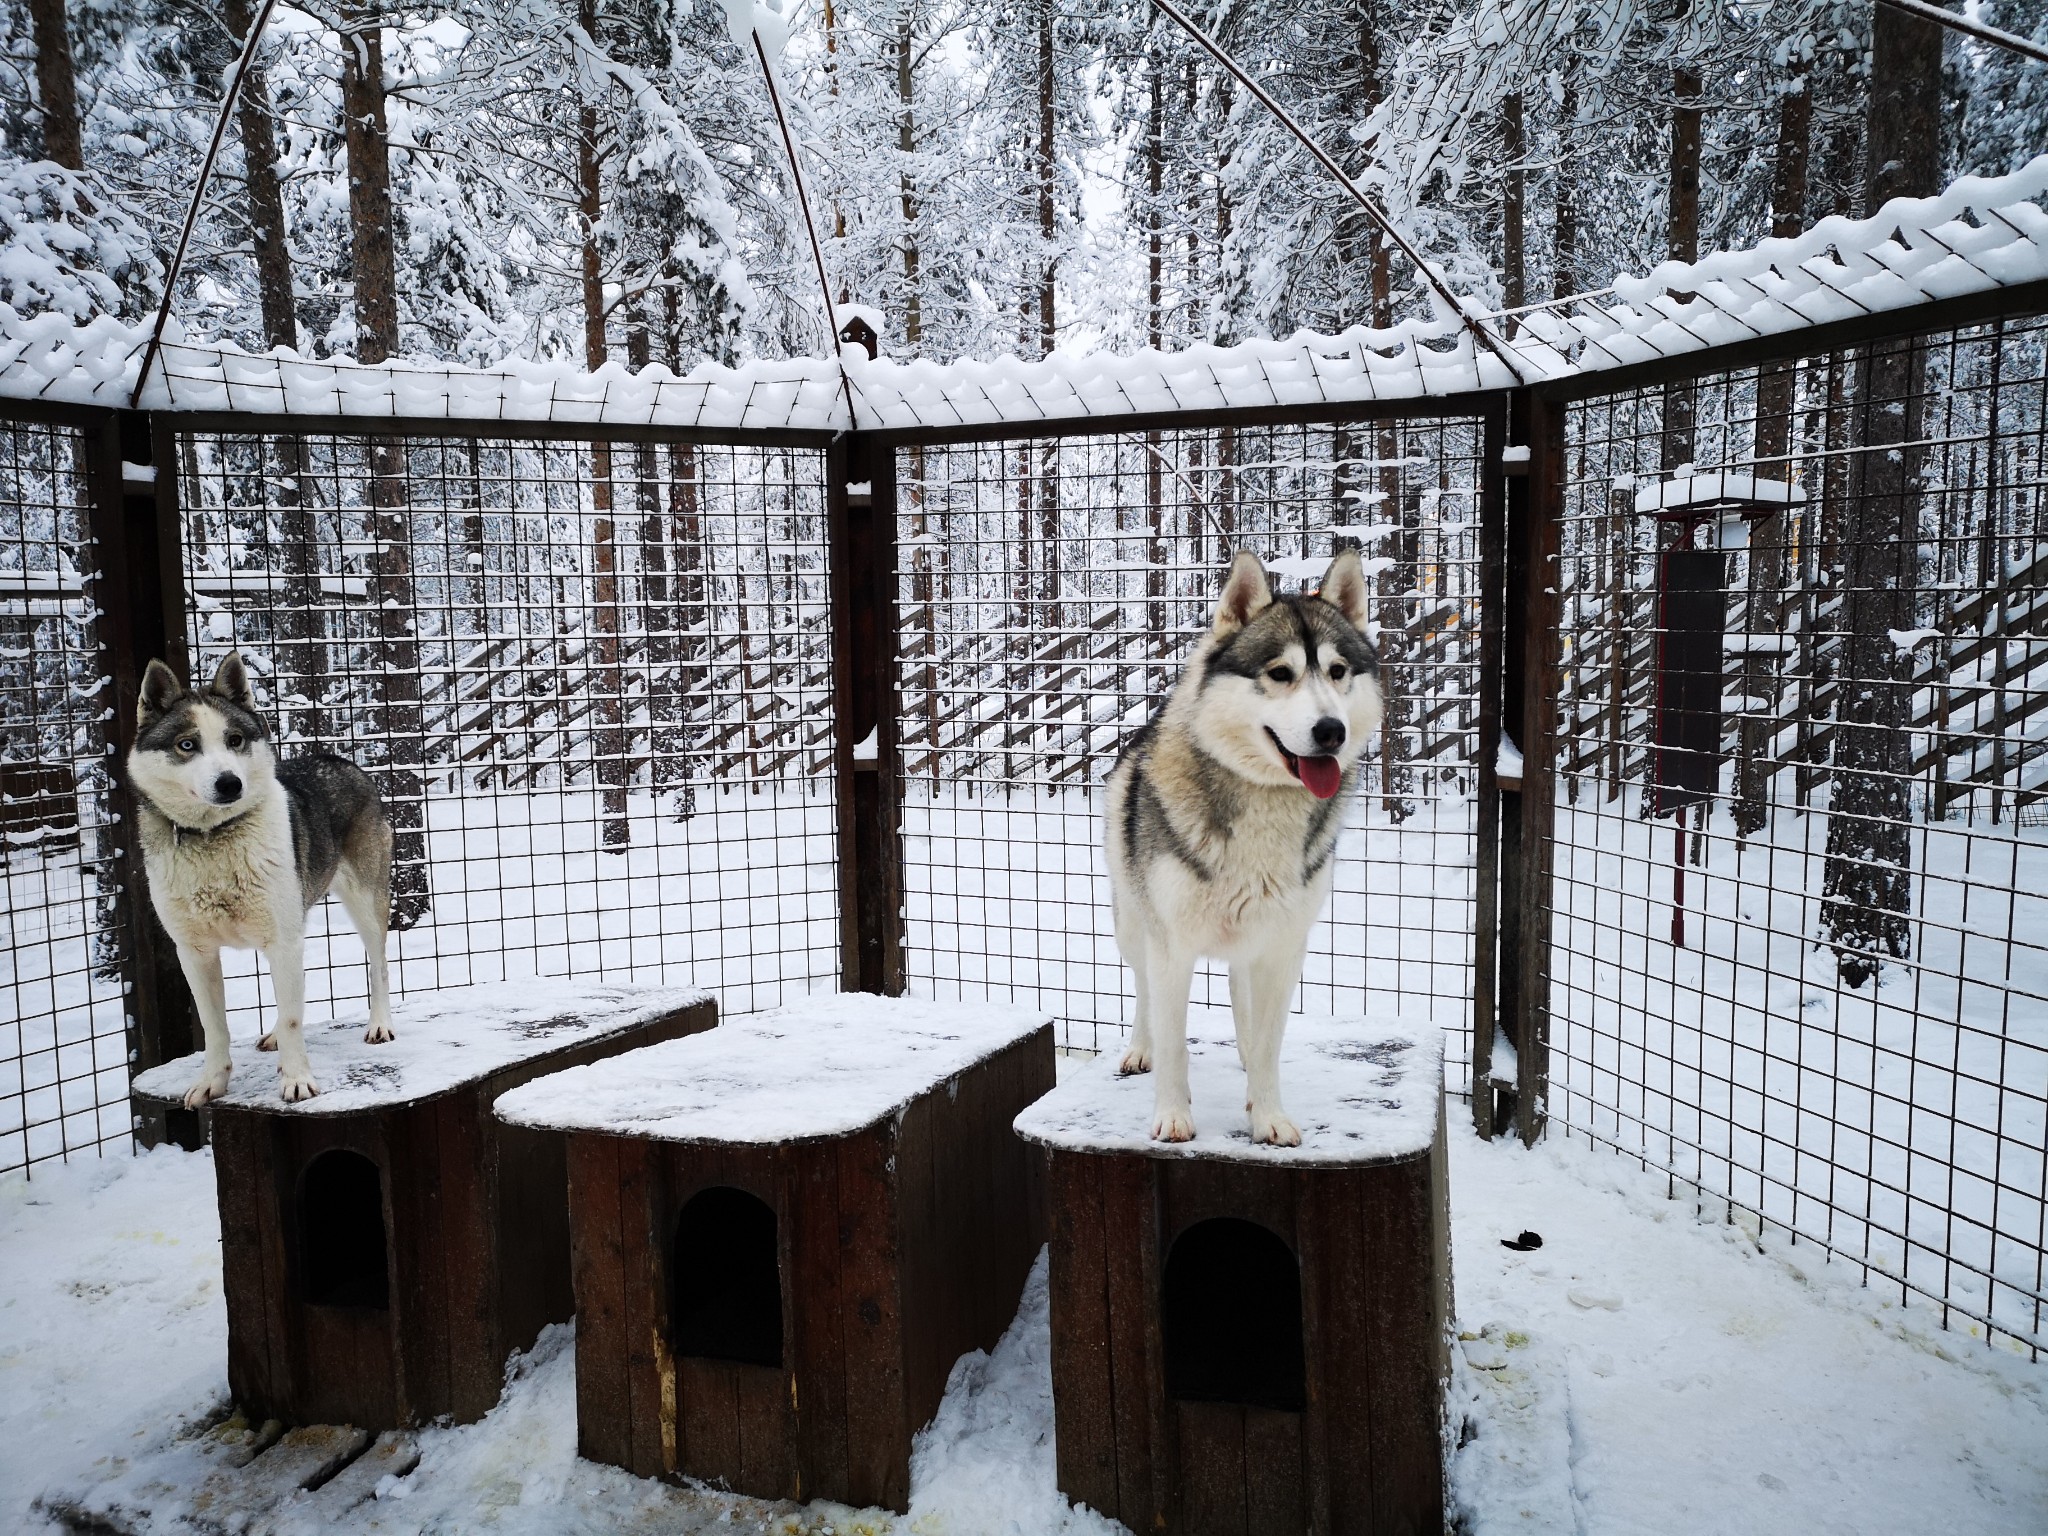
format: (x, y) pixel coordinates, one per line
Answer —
(828, 1065)
(1362, 1090)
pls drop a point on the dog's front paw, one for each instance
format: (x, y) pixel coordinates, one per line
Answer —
(1137, 1058)
(1176, 1124)
(298, 1086)
(378, 1034)
(1275, 1129)
(267, 1041)
(211, 1085)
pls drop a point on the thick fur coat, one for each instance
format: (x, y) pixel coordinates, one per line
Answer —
(1222, 817)
(239, 847)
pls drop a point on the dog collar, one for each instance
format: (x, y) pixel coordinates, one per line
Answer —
(181, 833)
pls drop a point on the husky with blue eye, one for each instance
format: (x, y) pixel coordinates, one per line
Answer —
(1222, 815)
(239, 847)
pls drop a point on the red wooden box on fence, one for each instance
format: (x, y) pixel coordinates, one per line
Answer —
(788, 1229)
(1253, 1340)
(386, 1245)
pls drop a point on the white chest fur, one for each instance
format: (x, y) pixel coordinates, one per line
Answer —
(233, 889)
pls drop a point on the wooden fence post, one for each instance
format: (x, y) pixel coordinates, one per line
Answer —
(1488, 916)
(860, 504)
(139, 590)
(1539, 546)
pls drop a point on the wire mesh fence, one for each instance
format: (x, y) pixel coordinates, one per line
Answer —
(1800, 952)
(1049, 593)
(63, 1026)
(591, 679)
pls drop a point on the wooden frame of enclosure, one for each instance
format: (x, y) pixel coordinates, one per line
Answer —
(136, 521)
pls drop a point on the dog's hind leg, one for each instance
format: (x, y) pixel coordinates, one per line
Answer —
(287, 957)
(210, 997)
(1170, 974)
(1259, 1008)
(363, 882)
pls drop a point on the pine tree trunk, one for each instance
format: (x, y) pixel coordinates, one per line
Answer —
(375, 275)
(1682, 244)
(1868, 877)
(302, 623)
(613, 770)
(56, 84)
(906, 145)
(692, 586)
(657, 610)
(1564, 261)
(1048, 266)
(1514, 249)
(1775, 400)
(266, 197)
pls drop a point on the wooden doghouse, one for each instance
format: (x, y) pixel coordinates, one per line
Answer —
(1251, 1339)
(787, 1230)
(386, 1245)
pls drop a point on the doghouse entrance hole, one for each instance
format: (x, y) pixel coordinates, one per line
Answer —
(1232, 1317)
(726, 1300)
(341, 1232)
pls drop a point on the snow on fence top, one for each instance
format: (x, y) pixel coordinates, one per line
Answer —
(1983, 233)
(445, 1039)
(827, 1066)
(1360, 1090)
(1979, 235)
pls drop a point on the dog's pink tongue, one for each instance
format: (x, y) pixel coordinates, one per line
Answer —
(1321, 776)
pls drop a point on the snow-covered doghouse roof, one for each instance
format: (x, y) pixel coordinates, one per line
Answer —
(1981, 235)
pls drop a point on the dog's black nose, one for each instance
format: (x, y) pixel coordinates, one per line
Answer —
(228, 788)
(1328, 733)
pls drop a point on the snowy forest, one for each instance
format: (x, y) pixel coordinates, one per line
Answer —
(600, 179)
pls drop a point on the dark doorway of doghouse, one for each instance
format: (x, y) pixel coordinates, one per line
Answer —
(341, 1232)
(1232, 1317)
(725, 1299)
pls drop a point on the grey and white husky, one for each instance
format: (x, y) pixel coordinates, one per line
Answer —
(239, 847)
(1222, 821)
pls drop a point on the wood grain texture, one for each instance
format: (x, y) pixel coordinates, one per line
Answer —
(1364, 1456)
(1083, 1387)
(604, 1417)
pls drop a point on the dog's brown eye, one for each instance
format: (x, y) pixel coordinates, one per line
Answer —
(235, 739)
(1280, 675)
(1336, 674)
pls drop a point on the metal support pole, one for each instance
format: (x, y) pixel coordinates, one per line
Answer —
(860, 499)
(140, 594)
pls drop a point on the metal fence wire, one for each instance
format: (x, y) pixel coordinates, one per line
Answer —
(592, 680)
(1800, 945)
(63, 1026)
(1050, 591)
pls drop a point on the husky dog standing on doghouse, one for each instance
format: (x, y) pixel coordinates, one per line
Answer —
(1222, 819)
(239, 847)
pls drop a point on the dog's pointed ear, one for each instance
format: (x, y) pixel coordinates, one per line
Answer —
(1343, 587)
(231, 682)
(1246, 590)
(160, 690)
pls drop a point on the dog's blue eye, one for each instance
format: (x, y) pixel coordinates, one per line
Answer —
(1281, 675)
(188, 745)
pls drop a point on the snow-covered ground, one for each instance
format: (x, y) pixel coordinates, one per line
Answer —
(1650, 1368)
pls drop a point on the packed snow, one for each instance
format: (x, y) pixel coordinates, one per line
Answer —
(827, 1066)
(1360, 1090)
(445, 1038)
(1653, 1366)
